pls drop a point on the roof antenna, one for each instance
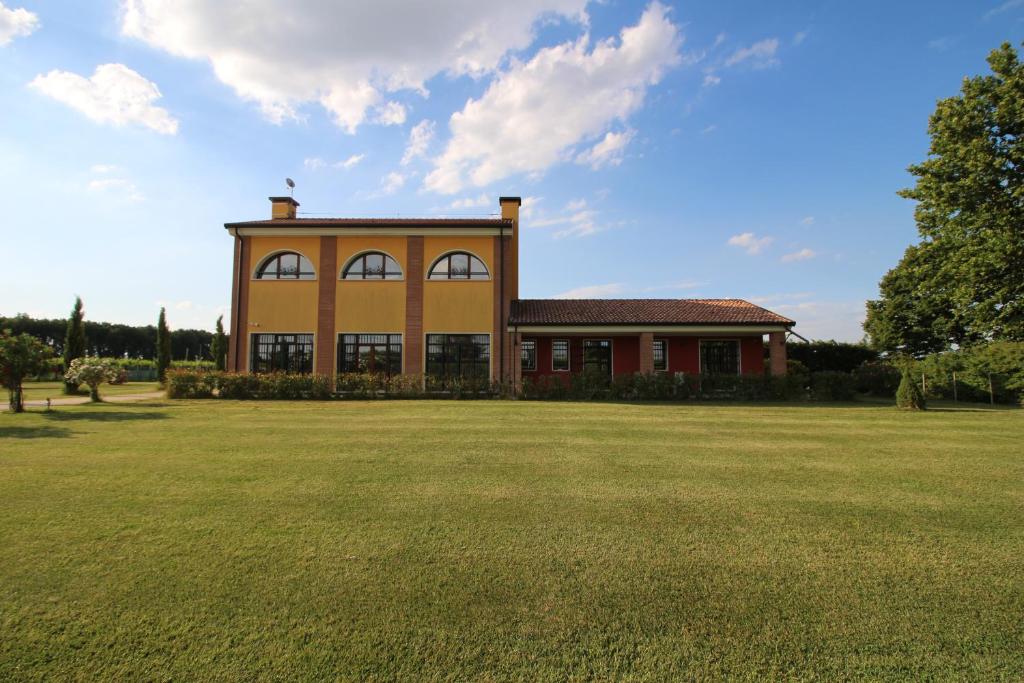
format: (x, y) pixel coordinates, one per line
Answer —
(291, 186)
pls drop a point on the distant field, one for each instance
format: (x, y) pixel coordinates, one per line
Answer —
(501, 540)
(40, 391)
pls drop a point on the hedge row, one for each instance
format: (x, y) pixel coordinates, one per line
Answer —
(822, 386)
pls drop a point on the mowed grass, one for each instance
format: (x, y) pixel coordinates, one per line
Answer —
(510, 540)
(40, 391)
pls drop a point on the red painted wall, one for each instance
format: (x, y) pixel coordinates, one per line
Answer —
(683, 354)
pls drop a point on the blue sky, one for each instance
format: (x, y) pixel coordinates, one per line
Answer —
(703, 149)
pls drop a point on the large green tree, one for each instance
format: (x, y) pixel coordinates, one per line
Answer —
(21, 356)
(74, 341)
(163, 347)
(964, 282)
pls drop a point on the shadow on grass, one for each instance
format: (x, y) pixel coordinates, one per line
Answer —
(44, 432)
(101, 415)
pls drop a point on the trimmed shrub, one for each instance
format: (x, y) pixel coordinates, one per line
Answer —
(191, 384)
(908, 395)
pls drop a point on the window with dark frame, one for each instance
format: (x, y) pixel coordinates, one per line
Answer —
(291, 353)
(370, 353)
(720, 357)
(458, 265)
(597, 356)
(528, 355)
(287, 265)
(458, 355)
(373, 265)
(660, 355)
(560, 355)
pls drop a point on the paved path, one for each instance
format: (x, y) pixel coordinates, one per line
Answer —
(79, 400)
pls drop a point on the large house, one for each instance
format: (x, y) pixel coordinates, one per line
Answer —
(440, 297)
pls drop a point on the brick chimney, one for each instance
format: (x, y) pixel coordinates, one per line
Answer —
(283, 207)
(510, 211)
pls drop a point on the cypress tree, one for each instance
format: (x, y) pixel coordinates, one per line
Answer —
(74, 342)
(163, 347)
(219, 345)
(909, 395)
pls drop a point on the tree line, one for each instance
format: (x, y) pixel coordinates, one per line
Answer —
(113, 340)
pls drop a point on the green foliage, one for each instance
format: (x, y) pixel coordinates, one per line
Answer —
(877, 378)
(21, 356)
(74, 341)
(821, 356)
(908, 394)
(219, 345)
(833, 386)
(112, 340)
(92, 372)
(962, 284)
(163, 347)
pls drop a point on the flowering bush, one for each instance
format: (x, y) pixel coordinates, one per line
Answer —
(93, 372)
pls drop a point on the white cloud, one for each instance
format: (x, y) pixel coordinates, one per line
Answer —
(711, 80)
(391, 183)
(807, 220)
(800, 37)
(761, 54)
(471, 203)
(529, 206)
(750, 242)
(183, 306)
(420, 137)
(350, 162)
(816, 319)
(343, 55)
(607, 152)
(535, 112)
(314, 163)
(16, 23)
(802, 255)
(1004, 7)
(113, 94)
(391, 114)
(707, 130)
(121, 187)
(100, 169)
(591, 291)
(576, 220)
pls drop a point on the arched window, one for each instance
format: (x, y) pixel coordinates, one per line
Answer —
(373, 265)
(286, 265)
(458, 265)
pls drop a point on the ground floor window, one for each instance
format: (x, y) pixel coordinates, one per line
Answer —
(660, 355)
(370, 353)
(528, 354)
(597, 355)
(720, 357)
(459, 355)
(560, 354)
(282, 353)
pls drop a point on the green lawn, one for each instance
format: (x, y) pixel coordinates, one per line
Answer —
(510, 540)
(40, 391)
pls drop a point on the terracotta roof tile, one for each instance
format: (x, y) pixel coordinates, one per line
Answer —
(641, 312)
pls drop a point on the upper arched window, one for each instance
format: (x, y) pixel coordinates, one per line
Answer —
(286, 265)
(373, 265)
(458, 265)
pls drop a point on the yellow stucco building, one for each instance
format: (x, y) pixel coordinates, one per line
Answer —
(440, 297)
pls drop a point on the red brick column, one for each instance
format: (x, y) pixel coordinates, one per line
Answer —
(412, 352)
(238, 344)
(327, 285)
(646, 353)
(515, 343)
(777, 352)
